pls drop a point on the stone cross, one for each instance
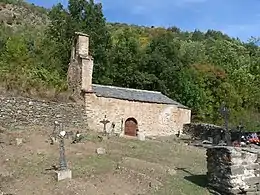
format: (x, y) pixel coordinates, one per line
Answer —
(225, 114)
(105, 122)
(63, 162)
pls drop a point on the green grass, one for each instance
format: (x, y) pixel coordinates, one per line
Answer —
(92, 165)
(141, 161)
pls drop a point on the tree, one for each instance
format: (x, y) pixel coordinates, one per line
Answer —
(84, 16)
(59, 35)
(197, 69)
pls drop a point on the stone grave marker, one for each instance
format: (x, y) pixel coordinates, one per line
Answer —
(64, 172)
(105, 122)
(19, 141)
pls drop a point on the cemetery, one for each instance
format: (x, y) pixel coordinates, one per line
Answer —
(66, 160)
(104, 146)
(34, 161)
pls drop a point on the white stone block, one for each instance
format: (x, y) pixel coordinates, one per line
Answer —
(83, 45)
(87, 71)
(141, 136)
(64, 174)
(19, 141)
(101, 151)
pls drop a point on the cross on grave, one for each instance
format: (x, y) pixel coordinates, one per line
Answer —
(63, 162)
(105, 122)
(64, 172)
(225, 114)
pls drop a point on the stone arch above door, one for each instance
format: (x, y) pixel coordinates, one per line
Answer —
(131, 127)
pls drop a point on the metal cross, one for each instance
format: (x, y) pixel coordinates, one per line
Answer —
(63, 162)
(105, 122)
(225, 113)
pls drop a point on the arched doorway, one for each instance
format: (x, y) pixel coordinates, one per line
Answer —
(131, 127)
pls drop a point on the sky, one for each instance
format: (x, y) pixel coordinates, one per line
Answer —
(237, 18)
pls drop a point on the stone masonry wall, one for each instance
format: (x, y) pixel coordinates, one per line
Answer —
(19, 111)
(153, 119)
(234, 170)
(201, 131)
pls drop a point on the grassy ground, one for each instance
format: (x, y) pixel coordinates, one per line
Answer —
(129, 167)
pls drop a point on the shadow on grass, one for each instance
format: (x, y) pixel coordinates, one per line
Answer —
(200, 180)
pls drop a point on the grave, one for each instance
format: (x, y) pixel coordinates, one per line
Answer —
(64, 172)
(105, 122)
(141, 136)
(233, 170)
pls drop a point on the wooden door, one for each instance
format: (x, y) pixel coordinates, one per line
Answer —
(130, 128)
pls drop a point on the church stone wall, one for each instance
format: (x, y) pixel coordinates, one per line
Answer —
(153, 119)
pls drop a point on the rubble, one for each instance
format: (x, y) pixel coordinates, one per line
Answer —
(101, 151)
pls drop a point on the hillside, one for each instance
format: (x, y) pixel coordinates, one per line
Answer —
(17, 13)
(200, 70)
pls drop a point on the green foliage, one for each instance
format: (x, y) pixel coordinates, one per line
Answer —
(200, 70)
(86, 17)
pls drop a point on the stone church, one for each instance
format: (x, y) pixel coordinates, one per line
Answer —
(124, 110)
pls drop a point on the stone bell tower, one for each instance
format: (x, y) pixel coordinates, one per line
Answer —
(80, 68)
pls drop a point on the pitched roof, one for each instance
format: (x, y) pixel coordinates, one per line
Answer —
(133, 95)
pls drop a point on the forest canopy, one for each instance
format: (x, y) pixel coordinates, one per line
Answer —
(198, 69)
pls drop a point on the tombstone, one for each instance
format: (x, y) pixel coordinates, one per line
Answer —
(101, 151)
(63, 172)
(141, 136)
(113, 125)
(19, 141)
(105, 122)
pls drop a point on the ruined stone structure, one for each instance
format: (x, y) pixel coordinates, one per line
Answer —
(80, 67)
(233, 170)
(121, 109)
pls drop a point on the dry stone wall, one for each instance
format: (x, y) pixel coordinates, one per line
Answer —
(202, 131)
(19, 111)
(233, 170)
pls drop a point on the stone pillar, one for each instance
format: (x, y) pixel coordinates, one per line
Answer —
(233, 170)
(80, 68)
(85, 61)
(87, 71)
(83, 44)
